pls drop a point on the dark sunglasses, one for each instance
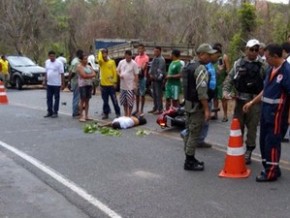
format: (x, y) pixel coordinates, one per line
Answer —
(254, 49)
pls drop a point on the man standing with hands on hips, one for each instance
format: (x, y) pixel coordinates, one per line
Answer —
(54, 79)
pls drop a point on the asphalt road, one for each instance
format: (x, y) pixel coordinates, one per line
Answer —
(91, 175)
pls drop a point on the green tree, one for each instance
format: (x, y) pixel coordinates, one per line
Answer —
(23, 24)
(247, 25)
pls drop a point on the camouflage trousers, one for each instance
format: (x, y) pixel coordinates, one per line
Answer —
(194, 124)
(250, 120)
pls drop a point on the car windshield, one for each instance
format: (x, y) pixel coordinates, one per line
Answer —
(17, 61)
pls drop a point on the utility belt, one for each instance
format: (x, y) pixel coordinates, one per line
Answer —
(192, 106)
(245, 96)
(73, 74)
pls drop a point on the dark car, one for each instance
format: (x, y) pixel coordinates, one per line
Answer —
(23, 71)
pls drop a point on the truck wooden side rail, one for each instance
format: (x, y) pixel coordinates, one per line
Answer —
(117, 51)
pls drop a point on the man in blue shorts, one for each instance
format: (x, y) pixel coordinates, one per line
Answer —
(142, 61)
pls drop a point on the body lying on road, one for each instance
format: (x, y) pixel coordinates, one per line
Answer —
(127, 122)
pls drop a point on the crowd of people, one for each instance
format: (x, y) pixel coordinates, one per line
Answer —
(259, 82)
(260, 85)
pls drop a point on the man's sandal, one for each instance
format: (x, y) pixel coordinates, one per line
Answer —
(225, 119)
(82, 120)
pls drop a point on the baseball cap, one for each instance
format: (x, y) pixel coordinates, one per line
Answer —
(252, 42)
(205, 48)
(262, 45)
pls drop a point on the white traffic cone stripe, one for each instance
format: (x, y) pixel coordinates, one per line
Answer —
(2, 93)
(236, 151)
(2, 87)
(236, 133)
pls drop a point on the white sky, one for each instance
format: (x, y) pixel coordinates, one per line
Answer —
(274, 1)
(279, 1)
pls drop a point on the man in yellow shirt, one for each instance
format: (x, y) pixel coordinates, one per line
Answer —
(4, 70)
(108, 82)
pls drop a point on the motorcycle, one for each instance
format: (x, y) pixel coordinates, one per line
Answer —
(172, 117)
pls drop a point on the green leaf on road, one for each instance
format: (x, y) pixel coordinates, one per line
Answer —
(90, 127)
(95, 127)
(142, 132)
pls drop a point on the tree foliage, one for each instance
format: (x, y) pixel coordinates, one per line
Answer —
(23, 24)
(247, 15)
(32, 27)
(248, 23)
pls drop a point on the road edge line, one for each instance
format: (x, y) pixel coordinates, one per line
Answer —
(61, 179)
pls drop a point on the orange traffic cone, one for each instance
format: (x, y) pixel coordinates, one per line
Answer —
(235, 166)
(3, 96)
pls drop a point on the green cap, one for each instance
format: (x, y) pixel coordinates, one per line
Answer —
(206, 48)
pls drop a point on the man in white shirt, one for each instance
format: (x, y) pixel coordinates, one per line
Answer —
(92, 63)
(54, 79)
(128, 72)
(62, 59)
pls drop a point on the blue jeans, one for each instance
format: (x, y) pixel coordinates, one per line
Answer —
(52, 91)
(204, 132)
(205, 127)
(109, 91)
(75, 101)
(202, 136)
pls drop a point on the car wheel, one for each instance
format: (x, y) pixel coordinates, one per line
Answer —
(18, 83)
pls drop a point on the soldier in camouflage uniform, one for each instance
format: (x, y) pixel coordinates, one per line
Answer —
(246, 79)
(195, 82)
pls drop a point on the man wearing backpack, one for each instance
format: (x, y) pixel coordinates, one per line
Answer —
(195, 84)
(246, 77)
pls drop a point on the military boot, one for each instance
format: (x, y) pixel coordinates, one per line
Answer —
(193, 164)
(248, 156)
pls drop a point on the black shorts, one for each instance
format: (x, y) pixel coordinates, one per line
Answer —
(85, 92)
